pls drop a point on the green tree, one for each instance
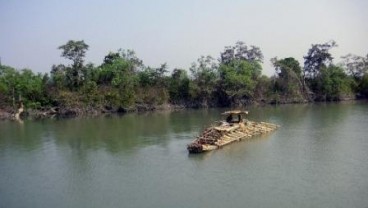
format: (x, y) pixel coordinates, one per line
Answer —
(318, 57)
(9, 84)
(179, 86)
(22, 85)
(90, 93)
(118, 71)
(116, 64)
(111, 57)
(205, 78)
(288, 78)
(153, 85)
(31, 88)
(58, 76)
(238, 80)
(333, 84)
(147, 77)
(90, 73)
(74, 51)
(240, 68)
(131, 57)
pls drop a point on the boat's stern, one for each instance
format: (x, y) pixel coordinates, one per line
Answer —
(195, 147)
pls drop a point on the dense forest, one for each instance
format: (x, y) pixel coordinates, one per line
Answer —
(123, 83)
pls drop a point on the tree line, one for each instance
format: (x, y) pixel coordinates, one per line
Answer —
(122, 81)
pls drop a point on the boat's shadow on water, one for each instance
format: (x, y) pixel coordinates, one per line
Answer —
(199, 156)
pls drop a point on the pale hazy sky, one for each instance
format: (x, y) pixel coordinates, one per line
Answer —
(177, 32)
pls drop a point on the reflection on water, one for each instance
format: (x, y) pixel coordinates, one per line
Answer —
(113, 133)
(316, 159)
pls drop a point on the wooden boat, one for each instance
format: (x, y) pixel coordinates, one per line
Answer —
(233, 129)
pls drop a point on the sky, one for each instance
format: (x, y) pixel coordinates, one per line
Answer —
(177, 32)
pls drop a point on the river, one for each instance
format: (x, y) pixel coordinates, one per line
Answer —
(317, 158)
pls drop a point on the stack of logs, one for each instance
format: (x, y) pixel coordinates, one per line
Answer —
(209, 136)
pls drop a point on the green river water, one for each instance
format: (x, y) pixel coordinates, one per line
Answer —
(317, 158)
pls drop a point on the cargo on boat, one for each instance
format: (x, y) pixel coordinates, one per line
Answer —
(234, 128)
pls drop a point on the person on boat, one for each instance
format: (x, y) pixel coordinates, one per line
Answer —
(229, 118)
(239, 118)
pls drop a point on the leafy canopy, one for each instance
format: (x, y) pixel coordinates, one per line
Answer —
(75, 51)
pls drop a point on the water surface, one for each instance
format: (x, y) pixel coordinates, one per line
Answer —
(318, 158)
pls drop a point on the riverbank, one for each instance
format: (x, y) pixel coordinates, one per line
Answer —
(70, 112)
(80, 111)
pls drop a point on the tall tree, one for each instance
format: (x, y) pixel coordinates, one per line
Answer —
(239, 72)
(75, 51)
(318, 57)
(119, 71)
(241, 52)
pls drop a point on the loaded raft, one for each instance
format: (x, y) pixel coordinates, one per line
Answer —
(233, 129)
